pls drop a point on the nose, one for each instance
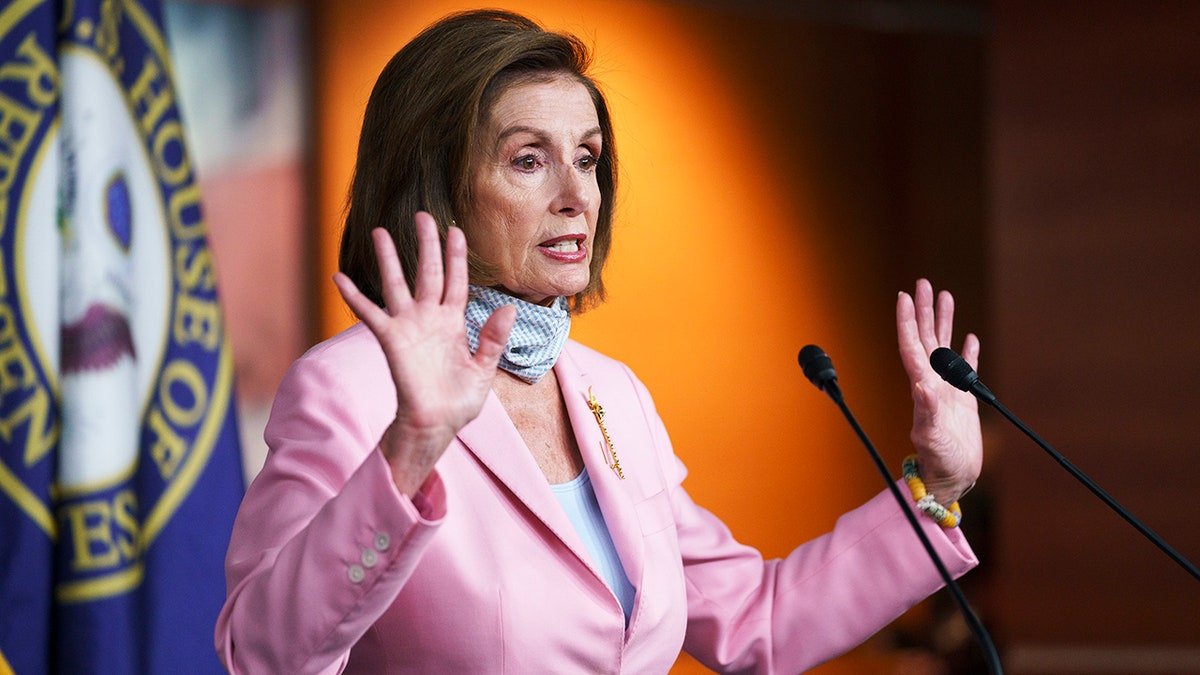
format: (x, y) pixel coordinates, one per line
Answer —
(575, 191)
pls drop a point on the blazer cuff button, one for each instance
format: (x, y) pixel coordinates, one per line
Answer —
(382, 542)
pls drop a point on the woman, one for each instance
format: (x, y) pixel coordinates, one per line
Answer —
(422, 511)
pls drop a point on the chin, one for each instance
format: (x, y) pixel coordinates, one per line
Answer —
(549, 299)
(546, 294)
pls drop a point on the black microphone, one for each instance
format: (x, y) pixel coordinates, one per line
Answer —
(818, 368)
(955, 370)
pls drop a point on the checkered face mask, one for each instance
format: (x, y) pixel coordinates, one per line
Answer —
(537, 336)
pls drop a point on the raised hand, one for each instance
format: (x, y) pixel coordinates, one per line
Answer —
(440, 385)
(945, 427)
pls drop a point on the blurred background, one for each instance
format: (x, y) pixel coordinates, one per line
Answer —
(787, 168)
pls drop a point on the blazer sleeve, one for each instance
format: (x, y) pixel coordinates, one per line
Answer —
(323, 541)
(750, 615)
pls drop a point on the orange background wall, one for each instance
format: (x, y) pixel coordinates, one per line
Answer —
(733, 245)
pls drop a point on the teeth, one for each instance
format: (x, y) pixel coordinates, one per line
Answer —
(565, 246)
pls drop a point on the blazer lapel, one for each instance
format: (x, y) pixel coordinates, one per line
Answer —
(615, 495)
(495, 442)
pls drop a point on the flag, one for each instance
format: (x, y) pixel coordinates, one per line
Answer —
(120, 472)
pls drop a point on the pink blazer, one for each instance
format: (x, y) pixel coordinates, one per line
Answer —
(330, 569)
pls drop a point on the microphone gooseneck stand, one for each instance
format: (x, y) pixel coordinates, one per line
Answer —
(818, 368)
(955, 370)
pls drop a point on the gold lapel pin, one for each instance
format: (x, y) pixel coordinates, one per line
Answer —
(613, 462)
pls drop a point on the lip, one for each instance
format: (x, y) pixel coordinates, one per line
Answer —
(578, 255)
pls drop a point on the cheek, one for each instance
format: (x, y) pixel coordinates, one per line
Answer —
(591, 191)
(497, 235)
(596, 203)
(489, 220)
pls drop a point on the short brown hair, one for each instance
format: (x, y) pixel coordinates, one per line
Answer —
(420, 125)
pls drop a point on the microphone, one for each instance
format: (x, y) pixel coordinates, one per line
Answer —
(955, 370)
(818, 368)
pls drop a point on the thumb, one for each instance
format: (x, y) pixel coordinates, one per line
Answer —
(493, 337)
(925, 404)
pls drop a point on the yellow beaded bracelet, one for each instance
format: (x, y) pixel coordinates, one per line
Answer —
(947, 517)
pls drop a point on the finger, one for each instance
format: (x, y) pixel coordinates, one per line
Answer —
(912, 351)
(923, 300)
(367, 312)
(430, 275)
(970, 350)
(945, 318)
(391, 274)
(456, 268)
(493, 337)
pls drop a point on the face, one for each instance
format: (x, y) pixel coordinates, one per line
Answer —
(535, 199)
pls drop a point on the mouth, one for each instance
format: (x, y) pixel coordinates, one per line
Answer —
(565, 249)
(566, 244)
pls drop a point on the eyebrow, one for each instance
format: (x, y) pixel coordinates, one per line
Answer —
(540, 134)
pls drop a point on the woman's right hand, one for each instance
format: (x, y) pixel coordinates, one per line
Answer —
(440, 385)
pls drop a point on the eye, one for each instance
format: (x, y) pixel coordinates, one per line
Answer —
(587, 162)
(526, 163)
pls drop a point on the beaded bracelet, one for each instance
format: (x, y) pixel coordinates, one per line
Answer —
(947, 517)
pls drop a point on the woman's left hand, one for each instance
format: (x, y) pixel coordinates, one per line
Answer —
(945, 427)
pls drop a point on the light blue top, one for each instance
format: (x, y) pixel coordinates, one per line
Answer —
(578, 499)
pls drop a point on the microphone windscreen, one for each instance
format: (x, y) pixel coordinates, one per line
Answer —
(953, 368)
(817, 365)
